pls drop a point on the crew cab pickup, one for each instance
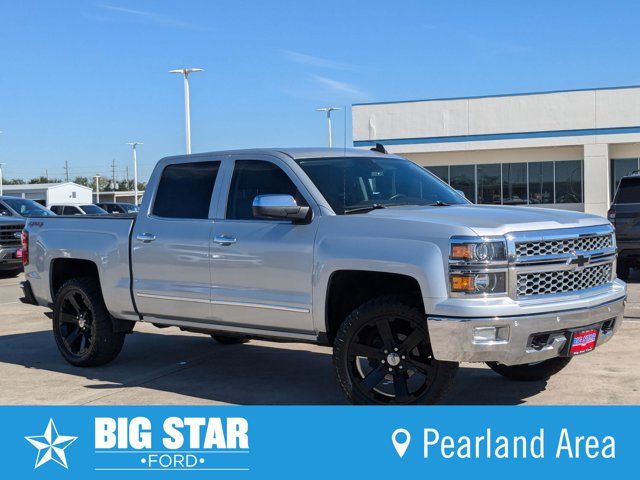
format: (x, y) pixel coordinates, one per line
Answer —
(360, 250)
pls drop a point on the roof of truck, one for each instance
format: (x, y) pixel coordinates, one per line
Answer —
(297, 153)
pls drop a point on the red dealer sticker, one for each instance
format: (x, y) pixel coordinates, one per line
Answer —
(584, 341)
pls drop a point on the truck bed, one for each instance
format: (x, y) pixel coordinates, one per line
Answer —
(102, 240)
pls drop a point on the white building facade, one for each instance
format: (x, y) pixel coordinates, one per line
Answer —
(51, 193)
(565, 149)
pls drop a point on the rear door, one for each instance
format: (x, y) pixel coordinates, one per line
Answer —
(170, 244)
(627, 209)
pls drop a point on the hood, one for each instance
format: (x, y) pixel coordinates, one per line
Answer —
(493, 220)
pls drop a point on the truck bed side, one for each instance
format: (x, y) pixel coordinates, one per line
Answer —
(64, 246)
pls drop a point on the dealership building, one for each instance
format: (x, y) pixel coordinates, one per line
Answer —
(561, 149)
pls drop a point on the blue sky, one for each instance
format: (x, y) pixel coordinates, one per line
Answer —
(80, 78)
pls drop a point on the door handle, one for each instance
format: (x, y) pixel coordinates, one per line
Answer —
(224, 240)
(145, 237)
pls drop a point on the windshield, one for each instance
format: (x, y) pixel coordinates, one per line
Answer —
(93, 210)
(26, 208)
(353, 182)
(129, 207)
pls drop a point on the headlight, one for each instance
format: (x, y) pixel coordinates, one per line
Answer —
(478, 283)
(478, 266)
(477, 250)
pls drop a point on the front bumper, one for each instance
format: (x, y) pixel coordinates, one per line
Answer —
(508, 339)
(8, 258)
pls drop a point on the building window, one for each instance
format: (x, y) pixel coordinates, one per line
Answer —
(534, 183)
(619, 168)
(489, 180)
(540, 183)
(463, 178)
(441, 172)
(514, 184)
(569, 181)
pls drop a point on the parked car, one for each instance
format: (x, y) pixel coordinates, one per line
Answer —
(119, 208)
(21, 207)
(74, 209)
(360, 250)
(624, 214)
(10, 246)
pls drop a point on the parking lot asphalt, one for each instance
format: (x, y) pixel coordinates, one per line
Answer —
(167, 366)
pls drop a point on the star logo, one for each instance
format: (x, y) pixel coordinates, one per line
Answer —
(51, 446)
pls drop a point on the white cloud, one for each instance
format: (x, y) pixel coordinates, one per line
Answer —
(310, 60)
(151, 17)
(339, 87)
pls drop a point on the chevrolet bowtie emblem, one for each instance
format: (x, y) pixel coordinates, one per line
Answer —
(578, 260)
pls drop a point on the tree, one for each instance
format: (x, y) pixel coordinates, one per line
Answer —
(43, 179)
(14, 181)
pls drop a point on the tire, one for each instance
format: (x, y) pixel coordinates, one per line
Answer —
(372, 339)
(14, 272)
(82, 326)
(229, 339)
(531, 372)
(623, 269)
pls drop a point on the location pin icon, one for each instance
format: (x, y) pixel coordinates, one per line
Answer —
(401, 444)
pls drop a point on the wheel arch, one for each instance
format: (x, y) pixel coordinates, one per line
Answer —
(362, 286)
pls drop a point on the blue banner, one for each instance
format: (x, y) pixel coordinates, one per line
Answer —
(316, 442)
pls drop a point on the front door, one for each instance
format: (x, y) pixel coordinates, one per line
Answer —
(171, 245)
(261, 271)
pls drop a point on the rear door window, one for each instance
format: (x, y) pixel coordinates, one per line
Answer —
(71, 210)
(629, 190)
(185, 190)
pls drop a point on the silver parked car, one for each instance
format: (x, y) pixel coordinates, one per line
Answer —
(360, 250)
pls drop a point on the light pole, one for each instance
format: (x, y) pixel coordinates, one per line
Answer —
(328, 111)
(187, 108)
(1, 165)
(135, 171)
(97, 188)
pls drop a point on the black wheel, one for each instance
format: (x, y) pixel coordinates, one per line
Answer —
(531, 372)
(82, 325)
(10, 273)
(382, 355)
(623, 269)
(229, 339)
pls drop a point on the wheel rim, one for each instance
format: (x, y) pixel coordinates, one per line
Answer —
(391, 361)
(75, 322)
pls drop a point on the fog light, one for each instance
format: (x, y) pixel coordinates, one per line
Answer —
(491, 334)
(485, 334)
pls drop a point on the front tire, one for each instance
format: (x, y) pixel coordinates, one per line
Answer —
(82, 326)
(531, 372)
(382, 356)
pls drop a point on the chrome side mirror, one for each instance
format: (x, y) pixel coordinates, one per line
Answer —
(279, 207)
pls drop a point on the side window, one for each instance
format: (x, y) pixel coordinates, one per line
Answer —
(70, 210)
(56, 209)
(256, 177)
(185, 190)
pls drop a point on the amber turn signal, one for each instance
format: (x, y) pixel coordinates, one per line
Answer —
(464, 251)
(463, 283)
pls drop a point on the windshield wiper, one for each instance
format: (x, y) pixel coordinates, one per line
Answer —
(439, 203)
(363, 209)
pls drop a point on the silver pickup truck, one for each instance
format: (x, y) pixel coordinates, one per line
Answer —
(360, 250)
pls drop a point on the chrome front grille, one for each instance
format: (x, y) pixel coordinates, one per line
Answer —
(563, 246)
(568, 260)
(562, 281)
(8, 236)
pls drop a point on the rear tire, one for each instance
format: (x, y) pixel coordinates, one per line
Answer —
(623, 269)
(229, 339)
(82, 326)
(382, 356)
(531, 372)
